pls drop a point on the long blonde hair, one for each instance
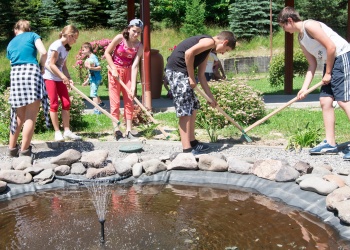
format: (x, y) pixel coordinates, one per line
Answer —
(22, 25)
(68, 30)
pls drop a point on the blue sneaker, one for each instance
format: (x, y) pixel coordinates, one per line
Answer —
(324, 148)
(97, 112)
(346, 157)
(200, 147)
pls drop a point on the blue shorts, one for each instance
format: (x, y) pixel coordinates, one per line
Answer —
(93, 89)
(185, 100)
(339, 87)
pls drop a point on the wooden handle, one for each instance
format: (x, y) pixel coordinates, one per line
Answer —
(202, 93)
(141, 106)
(95, 104)
(282, 107)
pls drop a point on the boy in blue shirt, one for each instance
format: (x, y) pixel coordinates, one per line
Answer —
(95, 78)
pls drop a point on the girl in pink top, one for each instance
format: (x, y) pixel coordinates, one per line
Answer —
(123, 55)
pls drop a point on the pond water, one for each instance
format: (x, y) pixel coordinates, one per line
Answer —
(160, 217)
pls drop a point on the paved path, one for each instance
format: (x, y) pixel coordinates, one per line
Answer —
(271, 102)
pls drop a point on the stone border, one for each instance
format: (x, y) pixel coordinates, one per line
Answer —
(287, 192)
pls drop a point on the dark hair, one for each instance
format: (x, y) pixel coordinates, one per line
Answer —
(126, 33)
(87, 45)
(229, 36)
(288, 12)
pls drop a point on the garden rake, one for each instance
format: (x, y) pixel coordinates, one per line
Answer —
(283, 107)
(167, 136)
(204, 95)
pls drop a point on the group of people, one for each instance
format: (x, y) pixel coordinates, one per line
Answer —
(123, 55)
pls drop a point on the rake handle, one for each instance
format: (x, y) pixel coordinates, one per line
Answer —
(95, 104)
(141, 106)
(202, 93)
(282, 107)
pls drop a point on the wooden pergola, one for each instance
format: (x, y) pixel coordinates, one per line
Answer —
(145, 17)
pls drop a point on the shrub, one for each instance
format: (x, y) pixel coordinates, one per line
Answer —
(277, 68)
(306, 137)
(4, 79)
(76, 112)
(99, 48)
(238, 100)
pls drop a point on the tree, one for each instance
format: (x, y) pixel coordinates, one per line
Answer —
(172, 12)
(250, 19)
(194, 20)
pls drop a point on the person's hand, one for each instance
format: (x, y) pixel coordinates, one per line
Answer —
(301, 94)
(326, 79)
(131, 94)
(192, 83)
(213, 102)
(114, 73)
(85, 83)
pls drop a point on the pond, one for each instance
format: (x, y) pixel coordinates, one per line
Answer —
(161, 216)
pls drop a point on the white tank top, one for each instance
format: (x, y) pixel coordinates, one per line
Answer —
(317, 49)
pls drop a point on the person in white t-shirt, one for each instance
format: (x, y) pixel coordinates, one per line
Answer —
(209, 70)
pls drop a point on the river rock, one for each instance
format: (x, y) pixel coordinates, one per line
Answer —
(22, 162)
(303, 167)
(62, 170)
(212, 163)
(132, 159)
(3, 186)
(34, 170)
(68, 157)
(184, 161)
(153, 166)
(305, 176)
(93, 173)
(338, 195)
(275, 170)
(45, 165)
(46, 176)
(78, 168)
(94, 158)
(343, 209)
(137, 170)
(321, 170)
(15, 176)
(122, 167)
(318, 185)
(239, 166)
(335, 179)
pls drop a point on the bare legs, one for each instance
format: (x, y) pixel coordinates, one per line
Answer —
(65, 120)
(26, 118)
(187, 126)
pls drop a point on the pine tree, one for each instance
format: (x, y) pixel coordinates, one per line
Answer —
(195, 18)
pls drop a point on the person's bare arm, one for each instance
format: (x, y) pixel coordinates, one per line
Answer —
(309, 74)
(43, 54)
(203, 80)
(134, 70)
(108, 53)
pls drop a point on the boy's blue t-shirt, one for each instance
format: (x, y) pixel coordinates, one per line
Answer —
(22, 50)
(94, 75)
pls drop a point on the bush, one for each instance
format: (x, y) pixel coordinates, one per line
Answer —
(277, 68)
(76, 113)
(99, 48)
(5, 79)
(238, 100)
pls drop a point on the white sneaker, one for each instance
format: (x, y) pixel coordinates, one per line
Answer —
(70, 135)
(58, 136)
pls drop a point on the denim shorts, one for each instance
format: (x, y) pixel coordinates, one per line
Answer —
(339, 87)
(93, 89)
(185, 100)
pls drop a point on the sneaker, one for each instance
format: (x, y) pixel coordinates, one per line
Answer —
(13, 152)
(102, 104)
(200, 147)
(97, 112)
(118, 135)
(58, 136)
(346, 157)
(324, 148)
(70, 135)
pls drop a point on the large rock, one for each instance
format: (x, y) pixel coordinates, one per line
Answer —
(185, 161)
(15, 176)
(318, 185)
(212, 163)
(95, 159)
(132, 159)
(275, 170)
(343, 209)
(153, 166)
(338, 195)
(22, 162)
(62, 170)
(34, 170)
(44, 177)
(137, 170)
(240, 166)
(303, 167)
(45, 165)
(68, 157)
(122, 167)
(335, 179)
(93, 173)
(78, 168)
(5, 165)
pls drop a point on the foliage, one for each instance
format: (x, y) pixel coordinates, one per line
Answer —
(277, 67)
(117, 12)
(211, 130)
(252, 18)
(170, 12)
(99, 48)
(306, 137)
(139, 116)
(4, 79)
(216, 12)
(194, 20)
(148, 130)
(238, 100)
(5, 111)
